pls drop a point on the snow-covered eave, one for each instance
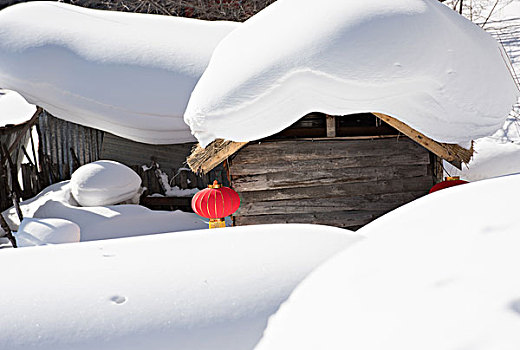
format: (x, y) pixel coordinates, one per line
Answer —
(203, 160)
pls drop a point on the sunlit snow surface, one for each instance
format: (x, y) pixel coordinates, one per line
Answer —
(208, 289)
(129, 74)
(499, 154)
(416, 60)
(440, 273)
(14, 109)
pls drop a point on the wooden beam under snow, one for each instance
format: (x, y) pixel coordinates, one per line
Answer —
(450, 152)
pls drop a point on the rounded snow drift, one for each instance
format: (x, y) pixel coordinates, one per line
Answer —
(104, 182)
(33, 232)
(415, 282)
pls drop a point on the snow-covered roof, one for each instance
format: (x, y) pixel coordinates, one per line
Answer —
(415, 60)
(129, 74)
(14, 109)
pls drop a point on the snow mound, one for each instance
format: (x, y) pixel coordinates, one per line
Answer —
(197, 290)
(104, 182)
(125, 73)
(33, 232)
(102, 222)
(415, 60)
(14, 109)
(436, 274)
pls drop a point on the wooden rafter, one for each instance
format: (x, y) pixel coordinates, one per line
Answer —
(203, 160)
(448, 151)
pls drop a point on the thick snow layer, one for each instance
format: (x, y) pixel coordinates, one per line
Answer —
(437, 274)
(33, 232)
(129, 74)
(104, 182)
(14, 109)
(499, 154)
(494, 156)
(416, 60)
(208, 289)
(99, 222)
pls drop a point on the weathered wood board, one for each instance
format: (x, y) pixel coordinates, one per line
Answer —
(344, 183)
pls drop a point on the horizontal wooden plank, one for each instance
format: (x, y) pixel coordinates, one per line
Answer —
(377, 202)
(343, 219)
(423, 183)
(294, 150)
(314, 176)
(280, 165)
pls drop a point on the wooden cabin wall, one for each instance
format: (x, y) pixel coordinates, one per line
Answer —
(65, 146)
(340, 182)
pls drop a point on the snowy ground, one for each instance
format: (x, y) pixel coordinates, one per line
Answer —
(208, 289)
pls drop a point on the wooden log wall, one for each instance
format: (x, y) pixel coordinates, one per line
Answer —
(340, 182)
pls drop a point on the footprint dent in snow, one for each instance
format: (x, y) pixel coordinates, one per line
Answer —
(515, 305)
(118, 299)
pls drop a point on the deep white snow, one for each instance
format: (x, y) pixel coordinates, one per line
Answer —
(105, 182)
(208, 289)
(439, 273)
(416, 60)
(129, 74)
(14, 109)
(33, 232)
(498, 154)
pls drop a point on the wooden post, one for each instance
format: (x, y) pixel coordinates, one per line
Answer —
(15, 189)
(331, 125)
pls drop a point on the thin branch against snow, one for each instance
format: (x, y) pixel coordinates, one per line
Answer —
(477, 10)
(233, 10)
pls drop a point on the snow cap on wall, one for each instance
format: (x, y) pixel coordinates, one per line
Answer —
(126, 73)
(415, 60)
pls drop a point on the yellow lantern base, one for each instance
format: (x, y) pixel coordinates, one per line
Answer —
(217, 223)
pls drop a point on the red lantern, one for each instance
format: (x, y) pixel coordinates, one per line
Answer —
(215, 203)
(448, 182)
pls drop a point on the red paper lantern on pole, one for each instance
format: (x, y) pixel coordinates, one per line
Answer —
(450, 181)
(215, 203)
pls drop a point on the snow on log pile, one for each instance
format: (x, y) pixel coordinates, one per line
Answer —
(415, 60)
(128, 74)
(88, 200)
(14, 109)
(198, 290)
(440, 273)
